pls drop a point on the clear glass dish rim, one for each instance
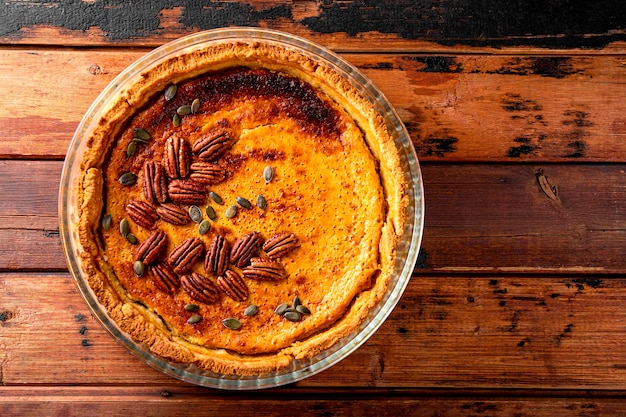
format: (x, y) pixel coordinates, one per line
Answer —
(408, 248)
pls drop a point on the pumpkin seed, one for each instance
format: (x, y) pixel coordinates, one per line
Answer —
(195, 105)
(268, 174)
(124, 227)
(215, 197)
(132, 239)
(139, 268)
(230, 212)
(141, 133)
(128, 178)
(243, 202)
(196, 318)
(261, 202)
(204, 227)
(231, 323)
(280, 310)
(184, 110)
(251, 310)
(131, 148)
(195, 213)
(296, 301)
(210, 212)
(106, 221)
(192, 308)
(139, 141)
(170, 91)
(303, 309)
(292, 316)
(176, 120)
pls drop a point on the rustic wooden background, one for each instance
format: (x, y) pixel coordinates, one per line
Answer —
(517, 112)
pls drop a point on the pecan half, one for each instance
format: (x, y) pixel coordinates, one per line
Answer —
(164, 277)
(150, 250)
(154, 182)
(173, 214)
(280, 244)
(211, 146)
(184, 256)
(207, 173)
(245, 248)
(264, 269)
(142, 213)
(232, 285)
(216, 259)
(200, 288)
(187, 192)
(177, 157)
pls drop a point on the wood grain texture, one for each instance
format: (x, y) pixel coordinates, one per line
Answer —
(520, 230)
(455, 107)
(365, 24)
(29, 221)
(548, 332)
(184, 401)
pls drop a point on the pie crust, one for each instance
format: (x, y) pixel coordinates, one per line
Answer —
(337, 188)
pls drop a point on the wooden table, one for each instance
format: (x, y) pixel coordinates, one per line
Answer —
(517, 112)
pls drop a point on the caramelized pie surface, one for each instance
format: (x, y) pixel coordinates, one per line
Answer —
(329, 189)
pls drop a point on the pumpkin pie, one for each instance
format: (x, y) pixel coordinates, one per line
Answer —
(239, 208)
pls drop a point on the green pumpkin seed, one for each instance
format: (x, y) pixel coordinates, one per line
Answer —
(251, 310)
(106, 221)
(196, 318)
(268, 174)
(132, 239)
(195, 105)
(192, 308)
(139, 141)
(124, 227)
(210, 212)
(128, 179)
(231, 323)
(261, 202)
(280, 310)
(292, 316)
(195, 213)
(184, 110)
(141, 133)
(139, 268)
(296, 301)
(230, 212)
(243, 202)
(215, 197)
(303, 309)
(176, 120)
(170, 91)
(204, 227)
(131, 149)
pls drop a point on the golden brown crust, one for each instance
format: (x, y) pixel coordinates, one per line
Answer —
(362, 182)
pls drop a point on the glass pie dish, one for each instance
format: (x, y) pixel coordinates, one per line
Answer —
(406, 249)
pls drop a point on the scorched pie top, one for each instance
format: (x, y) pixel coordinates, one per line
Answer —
(240, 208)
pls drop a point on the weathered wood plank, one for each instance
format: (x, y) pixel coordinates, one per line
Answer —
(48, 96)
(364, 25)
(486, 108)
(183, 401)
(488, 215)
(478, 217)
(548, 332)
(456, 108)
(29, 220)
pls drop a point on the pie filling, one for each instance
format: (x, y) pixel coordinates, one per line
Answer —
(240, 218)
